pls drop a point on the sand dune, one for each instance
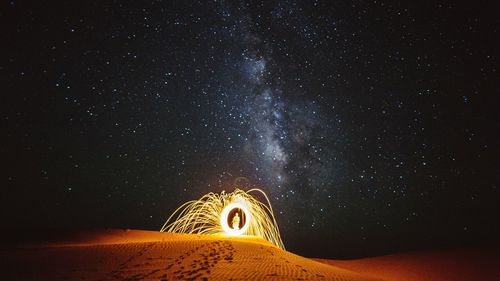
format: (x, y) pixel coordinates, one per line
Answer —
(149, 255)
(438, 265)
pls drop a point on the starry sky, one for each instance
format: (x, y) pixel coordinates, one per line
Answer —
(371, 125)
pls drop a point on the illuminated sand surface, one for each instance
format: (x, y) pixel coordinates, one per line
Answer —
(148, 255)
(439, 265)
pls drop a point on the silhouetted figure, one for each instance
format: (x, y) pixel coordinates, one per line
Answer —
(236, 221)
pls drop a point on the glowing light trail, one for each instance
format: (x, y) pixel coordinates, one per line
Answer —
(236, 213)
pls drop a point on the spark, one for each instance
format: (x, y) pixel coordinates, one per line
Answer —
(212, 212)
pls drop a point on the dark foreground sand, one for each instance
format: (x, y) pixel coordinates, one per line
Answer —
(150, 255)
(472, 264)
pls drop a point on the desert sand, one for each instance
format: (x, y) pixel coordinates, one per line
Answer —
(151, 255)
(454, 264)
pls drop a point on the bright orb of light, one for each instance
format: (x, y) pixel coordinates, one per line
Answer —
(215, 213)
(224, 218)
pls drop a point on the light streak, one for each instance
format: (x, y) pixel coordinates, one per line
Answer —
(211, 215)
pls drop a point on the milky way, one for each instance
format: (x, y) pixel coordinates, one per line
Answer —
(280, 129)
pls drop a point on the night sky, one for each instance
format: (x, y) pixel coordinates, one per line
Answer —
(372, 126)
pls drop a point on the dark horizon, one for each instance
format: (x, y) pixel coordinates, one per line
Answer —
(371, 126)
